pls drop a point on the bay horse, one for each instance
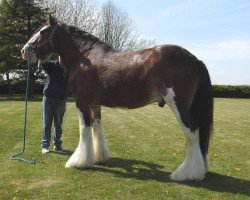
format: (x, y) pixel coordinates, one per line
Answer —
(100, 76)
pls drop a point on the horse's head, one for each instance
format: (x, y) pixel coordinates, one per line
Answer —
(40, 45)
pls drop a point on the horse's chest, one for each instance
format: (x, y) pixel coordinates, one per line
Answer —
(82, 81)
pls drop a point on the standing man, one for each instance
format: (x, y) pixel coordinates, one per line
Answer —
(55, 94)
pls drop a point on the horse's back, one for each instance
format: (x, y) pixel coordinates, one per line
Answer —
(176, 63)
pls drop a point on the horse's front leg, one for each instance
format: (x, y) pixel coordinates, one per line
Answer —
(101, 152)
(83, 157)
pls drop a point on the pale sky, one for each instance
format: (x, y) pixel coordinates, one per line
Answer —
(215, 31)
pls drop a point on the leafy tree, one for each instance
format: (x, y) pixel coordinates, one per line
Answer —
(18, 20)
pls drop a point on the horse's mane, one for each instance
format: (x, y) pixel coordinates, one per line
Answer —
(84, 40)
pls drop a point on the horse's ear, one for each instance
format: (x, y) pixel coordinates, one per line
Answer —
(52, 21)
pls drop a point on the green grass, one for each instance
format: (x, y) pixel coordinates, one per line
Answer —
(146, 145)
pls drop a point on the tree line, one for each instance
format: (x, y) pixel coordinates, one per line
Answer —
(20, 18)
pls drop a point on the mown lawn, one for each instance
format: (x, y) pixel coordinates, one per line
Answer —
(146, 146)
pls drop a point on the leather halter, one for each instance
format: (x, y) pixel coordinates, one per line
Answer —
(49, 40)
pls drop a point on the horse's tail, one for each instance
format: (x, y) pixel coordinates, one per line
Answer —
(202, 110)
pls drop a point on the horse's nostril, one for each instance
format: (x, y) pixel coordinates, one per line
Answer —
(22, 51)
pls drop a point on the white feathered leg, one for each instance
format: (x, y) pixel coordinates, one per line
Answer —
(193, 167)
(101, 152)
(83, 157)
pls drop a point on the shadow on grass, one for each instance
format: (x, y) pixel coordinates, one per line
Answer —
(142, 170)
(137, 169)
(63, 152)
(222, 183)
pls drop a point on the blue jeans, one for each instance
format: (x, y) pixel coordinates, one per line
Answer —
(52, 109)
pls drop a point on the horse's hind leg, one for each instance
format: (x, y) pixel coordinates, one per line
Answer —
(101, 152)
(83, 157)
(193, 167)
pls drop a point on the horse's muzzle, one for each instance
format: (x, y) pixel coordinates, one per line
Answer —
(28, 54)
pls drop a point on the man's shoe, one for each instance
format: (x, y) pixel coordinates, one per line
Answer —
(45, 150)
(58, 148)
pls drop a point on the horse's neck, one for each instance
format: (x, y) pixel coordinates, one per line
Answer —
(98, 53)
(72, 56)
(70, 59)
(69, 54)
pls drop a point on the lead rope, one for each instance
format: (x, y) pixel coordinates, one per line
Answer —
(15, 157)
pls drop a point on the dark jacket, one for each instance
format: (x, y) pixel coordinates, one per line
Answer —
(56, 85)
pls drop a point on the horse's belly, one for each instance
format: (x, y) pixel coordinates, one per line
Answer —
(125, 100)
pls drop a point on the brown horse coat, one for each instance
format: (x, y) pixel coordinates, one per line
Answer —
(99, 76)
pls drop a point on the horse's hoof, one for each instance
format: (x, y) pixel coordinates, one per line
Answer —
(183, 173)
(80, 159)
(102, 157)
(80, 165)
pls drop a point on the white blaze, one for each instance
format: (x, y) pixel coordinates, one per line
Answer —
(26, 51)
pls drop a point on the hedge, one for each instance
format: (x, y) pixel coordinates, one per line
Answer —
(224, 91)
(19, 87)
(241, 91)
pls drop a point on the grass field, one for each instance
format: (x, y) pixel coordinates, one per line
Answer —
(146, 145)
